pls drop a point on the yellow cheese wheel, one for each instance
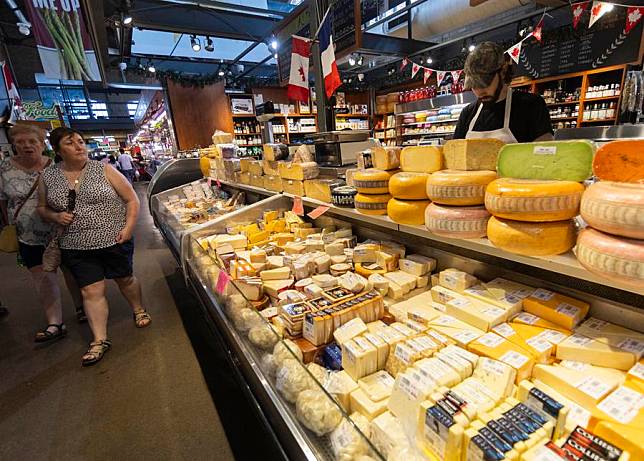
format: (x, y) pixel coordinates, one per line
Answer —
(372, 181)
(533, 200)
(461, 188)
(532, 239)
(409, 186)
(361, 270)
(410, 212)
(421, 159)
(374, 204)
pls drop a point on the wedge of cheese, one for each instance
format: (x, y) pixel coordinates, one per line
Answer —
(472, 154)
(588, 350)
(537, 345)
(421, 159)
(511, 304)
(299, 171)
(562, 310)
(496, 347)
(457, 280)
(361, 403)
(525, 318)
(377, 386)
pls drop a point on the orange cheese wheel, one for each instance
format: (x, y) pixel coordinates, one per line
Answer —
(410, 212)
(532, 239)
(616, 208)
(408, 186)
(459, 222)
(620, 161)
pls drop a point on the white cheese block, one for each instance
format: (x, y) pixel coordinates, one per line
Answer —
(273, 287)
(313, 291)
(312, 245)
(377, 386)
(406, 281)
(251, 288)
(352, 282)
(322, 264)
(413, 267)
(497, 376)
(365, 253)
(396, 292)
(422, 281)
(376, 325)
(439, 434)
(387, 433)
(443, 295)
(349, 330)
(281, 273)
(510, 303)
(381, 346)
(477, 313)
(410, 390)
(462, 366)
(438, 371)
(325, 280)
(340, 385)
(361, 403)
(457, 280)
(334, 249)
(275, 261)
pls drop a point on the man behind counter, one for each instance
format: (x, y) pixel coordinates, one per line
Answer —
(500, 113)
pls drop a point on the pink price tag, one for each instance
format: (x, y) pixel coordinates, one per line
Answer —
(218, 183)
(298, 206)
(222, 282)
(319, 211)
(209, 182)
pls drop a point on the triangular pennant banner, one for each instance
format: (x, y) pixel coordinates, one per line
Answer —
(514, 51)
(598, 10)
(456, 75)
(426, 74)
(633, 17)
(414, 69)
(404, 63)
(577, 11)
(440, 76)
(536, 33)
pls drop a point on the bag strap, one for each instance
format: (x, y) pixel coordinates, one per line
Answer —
(31, 192)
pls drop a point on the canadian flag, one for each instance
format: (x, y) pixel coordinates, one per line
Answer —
(298, 81)
(426, 74)
(12, 90)
(633, 17)
(414, 69)
(536, 33)
(440, 76)
(456, 75)
(598, 10)
(404, 63)
(514, 51)
(577, 11)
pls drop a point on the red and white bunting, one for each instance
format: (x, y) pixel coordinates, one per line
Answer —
(440, 76)
(426, 74)
(414, 69)
(514, 51)
(536, 33)
(405, 62)
(633, 17)
(598, 10)
(577, 11)
(456, 75)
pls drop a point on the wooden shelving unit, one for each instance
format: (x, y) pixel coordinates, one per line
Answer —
(381, 126)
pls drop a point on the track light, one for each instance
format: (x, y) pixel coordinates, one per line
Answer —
(195, 43)
(360, 77)
(209, 45)
(274, 44)
(472, 47)
(24, 28)
(151, 68)
(221, 73)
(360, 60)
(429, 60)
(352, 60)
(275, 55)
(127, 19)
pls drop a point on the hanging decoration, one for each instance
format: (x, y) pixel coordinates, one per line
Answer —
(440, 76)
(456, 75)
(414, 69)
(633, 17)
(426, 74)
(514, 51)
(577, 11)
(536, 33)
(598, 10)
(405, 62)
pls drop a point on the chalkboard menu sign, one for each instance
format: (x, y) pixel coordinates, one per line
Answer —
(565, 50)
(344, 25)
(300, 25)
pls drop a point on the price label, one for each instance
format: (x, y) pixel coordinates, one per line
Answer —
(298, 206)
(504, 330)
(218, 183)
(543, 295)
(623, 404)
(514, 359)
(319, 211)
(545, 150)
(491, 340)
(222, 282)
(594, 387)
(632, 345)
(209, 181)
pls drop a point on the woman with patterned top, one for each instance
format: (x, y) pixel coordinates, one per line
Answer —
(96, 208)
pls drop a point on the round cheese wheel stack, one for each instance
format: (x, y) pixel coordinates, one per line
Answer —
(409, 186)
(533, 200)
(410, 212)
(461, 188)
(465, 222)
(618, 259)
(372, 181)
(531, 239)
(620, 161)
(374, 204)
(615, 208)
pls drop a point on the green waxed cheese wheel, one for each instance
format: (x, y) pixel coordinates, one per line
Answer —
(558, 160)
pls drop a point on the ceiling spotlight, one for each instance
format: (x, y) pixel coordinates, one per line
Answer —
(221, 73)
(151, 68)
(195, 43)
(274, 44)
(472, 47)
(422, 61)
(275, 55)
(429, 60)
(24, 28)
(360, 60)
(360, 77)
(209, 45)
(127, 19)
(352, 60)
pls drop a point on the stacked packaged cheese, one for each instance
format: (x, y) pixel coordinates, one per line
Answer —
(458, 192)
(537, 196)
(221, 161)
(614, 209)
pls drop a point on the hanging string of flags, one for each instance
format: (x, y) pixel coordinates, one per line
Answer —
(428, 72)
(515, 50)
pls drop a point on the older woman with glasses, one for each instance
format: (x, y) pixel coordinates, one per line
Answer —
(96, 209)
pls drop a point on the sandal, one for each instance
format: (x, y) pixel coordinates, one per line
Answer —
(142, 319)
(45, 336)
(96, 351)
(80, 314)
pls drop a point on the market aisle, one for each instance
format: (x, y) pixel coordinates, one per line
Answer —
(147, 399)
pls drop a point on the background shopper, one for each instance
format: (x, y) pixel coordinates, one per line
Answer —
(98, 209)
(126, 164)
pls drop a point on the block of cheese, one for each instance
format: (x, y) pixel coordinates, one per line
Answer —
(386, 261)
(608, 333)
(615, 258)
(386, 158)
(387, 434)
(244, 178)
(273, 183)
(280, 273)
(377, 386)
(453, 187)
(275, 151)
(455, 330)
(293, 187)
(533, 200)
(353, 282)
(244, 164)
(325, 280)
(410, 390)
(382, 348)
(433, 369)
(438, 433)
(498, 376)
(556, 308)
(255, 167)
(334, 249)
(361, 403)
(587, 350)
(457, 222)
(237, 241)
(411, 212)
(501, 288)
(615, 208)
(372, 181)
(322, 264)
(273, 287)
(421, 159)
(537, 345)
(379, 283)
(462, 366)
(471, 154)
(510, 303)
(626, 437)
(428, 264)
(526, 318)
(477, 313)
(271, 167)
(298, 171)
(545, 405)
(531, 239)
(409, 186)
(349, 330)
(365, 253)
(340, 385)
(620, 161)
(374, 204)
(442, 295)
(559, 160)
(406, 281)
(496, 347)
(257, 181)
(320, 188)
(456, 280)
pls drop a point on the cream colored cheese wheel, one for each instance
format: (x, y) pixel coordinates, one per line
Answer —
(532, 239)
(464, 222)
(409, 186)
(461, 188)
(616, 208)
(410, 212)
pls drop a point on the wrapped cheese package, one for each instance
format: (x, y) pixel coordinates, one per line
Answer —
(317, 411)
(292, 379)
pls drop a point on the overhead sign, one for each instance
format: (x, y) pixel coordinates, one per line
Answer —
(36, 110)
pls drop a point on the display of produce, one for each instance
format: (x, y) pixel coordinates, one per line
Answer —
(460, 188)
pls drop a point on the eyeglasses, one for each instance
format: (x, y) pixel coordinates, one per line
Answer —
(71, 200)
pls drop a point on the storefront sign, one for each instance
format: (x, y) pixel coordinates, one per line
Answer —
(36, 110)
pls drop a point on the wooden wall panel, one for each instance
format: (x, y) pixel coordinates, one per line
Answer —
(198, 112)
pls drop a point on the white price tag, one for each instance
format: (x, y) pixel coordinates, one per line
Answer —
(579, 340)
(493, 366)
(441, 339)
(552, 336)
(385, 379)
(465, 337)
(527, 318)
(460, 302)
(544, 150)
(546, 454)
(579, 415)
(632, 345)
(514, 359)
(491, 340)
(523, 293)
(493, 312)
(594, 387)
(543, 294)
(539, 344)
(574, 365)
(568, 310)
(594, 324)
(445, 320)
(623, 404)
(637, 371)
(504, 330)
(403, 353)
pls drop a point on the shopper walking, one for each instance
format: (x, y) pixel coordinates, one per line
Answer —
(126, 164)
(97, 210)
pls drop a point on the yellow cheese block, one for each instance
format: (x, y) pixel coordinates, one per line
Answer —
(496, 347)
(537, 345)
(361, 403)
(255, 167)
(587, 350)
(244, 178)
(386, 158)
(562, 310)
(509, 303)
(372, 204)
(421, 159)
(532, 200)
(411, 212)
(438, 433)
(298, 171)
(257, 181)
(611, 334)
(270, 167)
(293, 187)
(320, 188)
(409, 186)
(532, 239)
(273, 183)
(372, 181)
(626, 437)
(477, 313)
(471, 154)
(526, 318)
(453, 187)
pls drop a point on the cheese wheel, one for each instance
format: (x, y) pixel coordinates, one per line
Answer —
(409, 186)
(531, 200)
(372, 181)
(620, 161)
(616, 208)
(366, 272)
(471, 154)
(531, 239)
(386, 158)
(410, 212)
(375, 204)
(457, 222)
(453, 187)
(421, 159)
(615, 258)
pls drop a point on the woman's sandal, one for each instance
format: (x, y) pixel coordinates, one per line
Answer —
(80, 314)
(45, 336)
(96, 351)
(142, 319)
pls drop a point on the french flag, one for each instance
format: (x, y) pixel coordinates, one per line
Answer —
(329, 66)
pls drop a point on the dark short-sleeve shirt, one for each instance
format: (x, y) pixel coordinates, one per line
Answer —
(529, 117)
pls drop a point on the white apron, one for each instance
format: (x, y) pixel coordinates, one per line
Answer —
(503, 134)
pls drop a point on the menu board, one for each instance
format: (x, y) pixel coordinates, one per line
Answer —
(300, 25)
(344, 25)
(564, 50)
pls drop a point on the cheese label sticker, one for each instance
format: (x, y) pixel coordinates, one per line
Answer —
(568, 310)
(504, 330)
(574, 365)
(465, 337)
(460, 302)
(594, 387)
(385, 379)
(546, 454)
(527, 318)
(579, 340)
(539, 344)
(372, 267)
(493, 312)
(403, 353)
(552, 336)
(441, 339)
(492, 366)
(594, 324)
(409, 387)
(544, 150)
(632, 345)
(445, 320)
(491, 340)
(343, 436)
(514, 359)
(542, 294)
(623, 404)
(579, 415)
(523, 293)
(637, 371)
(426, 343)
(222, 282)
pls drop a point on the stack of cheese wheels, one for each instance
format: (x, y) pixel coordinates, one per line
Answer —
(535, 200)
(373, 191)
(613, 245)
(409, 187)
(458, 192)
